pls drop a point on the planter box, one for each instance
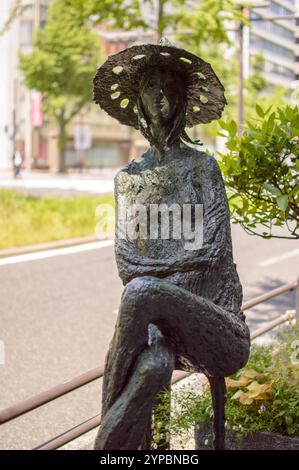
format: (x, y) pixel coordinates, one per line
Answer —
(260, 440)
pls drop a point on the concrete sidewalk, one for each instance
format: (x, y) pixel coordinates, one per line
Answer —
(40, 183)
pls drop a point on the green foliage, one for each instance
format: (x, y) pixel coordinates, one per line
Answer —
(271, 381)
(261, 171)
(207, 37)
(257, 82)
(206, 23)
(114, 13)
(63, 61)
(28, 220)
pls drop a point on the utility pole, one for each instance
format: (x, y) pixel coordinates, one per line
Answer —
(32, 134)
(160, 15)
(14, 118)
(241, 76)
(243, 70)
(297, 46)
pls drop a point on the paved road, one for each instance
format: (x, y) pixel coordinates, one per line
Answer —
(57, 317)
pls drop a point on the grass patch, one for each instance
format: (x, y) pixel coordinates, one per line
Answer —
(26, 220)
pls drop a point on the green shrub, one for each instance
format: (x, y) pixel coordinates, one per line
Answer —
(26, 220)
(262, 396)
(261, 172)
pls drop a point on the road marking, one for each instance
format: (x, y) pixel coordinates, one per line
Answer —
(56, 252)
(278, 259)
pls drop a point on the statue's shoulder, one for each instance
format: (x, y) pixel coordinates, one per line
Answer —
(134, 166)
(124, 178)
(203, 161)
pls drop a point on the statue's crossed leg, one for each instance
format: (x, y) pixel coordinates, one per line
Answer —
(138, 366)
(127, 421)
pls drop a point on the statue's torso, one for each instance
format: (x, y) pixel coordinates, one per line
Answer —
(169, 183)
(179, 179)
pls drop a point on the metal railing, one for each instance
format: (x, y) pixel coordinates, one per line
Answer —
(60, 390)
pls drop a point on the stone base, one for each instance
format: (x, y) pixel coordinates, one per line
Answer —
(260, 440)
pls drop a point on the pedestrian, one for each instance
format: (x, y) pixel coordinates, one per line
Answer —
(17, 163)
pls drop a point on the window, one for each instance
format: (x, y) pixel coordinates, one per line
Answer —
(269, 46)
(278, 69)
(271, 27)
(26, 32)
(279, 10)
(43, 10)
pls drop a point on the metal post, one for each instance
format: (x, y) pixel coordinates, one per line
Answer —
(241, 79)
(14, 131)
(14, 116)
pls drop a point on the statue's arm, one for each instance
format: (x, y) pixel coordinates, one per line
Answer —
(216, 230)
(216, 215)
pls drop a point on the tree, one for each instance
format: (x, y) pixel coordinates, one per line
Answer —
(200, 27)
(61, 66)
(207, 23)
(16, 10)
(261, 172)
(204, 20)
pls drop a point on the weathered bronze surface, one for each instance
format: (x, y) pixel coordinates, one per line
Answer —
(179, 308)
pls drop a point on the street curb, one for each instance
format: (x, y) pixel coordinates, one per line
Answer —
(22, 250)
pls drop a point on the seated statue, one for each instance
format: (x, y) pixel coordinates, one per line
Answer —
(180, 308)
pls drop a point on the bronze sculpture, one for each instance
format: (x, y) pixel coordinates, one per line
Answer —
(180, 309)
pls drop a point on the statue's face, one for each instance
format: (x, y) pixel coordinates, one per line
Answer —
(158, 96)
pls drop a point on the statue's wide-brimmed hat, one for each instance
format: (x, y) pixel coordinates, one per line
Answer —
(117, 82)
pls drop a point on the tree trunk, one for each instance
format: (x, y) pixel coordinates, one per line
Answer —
(160, 17)
(62, 138)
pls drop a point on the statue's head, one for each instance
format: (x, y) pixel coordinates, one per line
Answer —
(160, 93)
(159, 89)
(161, 106)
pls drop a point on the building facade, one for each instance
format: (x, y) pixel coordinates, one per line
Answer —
(276, 40)
(17, 127)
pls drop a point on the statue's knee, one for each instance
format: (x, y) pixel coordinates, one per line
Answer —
(139, 288)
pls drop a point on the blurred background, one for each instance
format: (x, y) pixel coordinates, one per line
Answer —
(49, 51)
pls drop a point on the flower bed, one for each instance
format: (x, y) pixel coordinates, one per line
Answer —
(261, 440)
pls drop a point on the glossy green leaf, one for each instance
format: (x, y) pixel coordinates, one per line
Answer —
(259, 111)
(282, 202)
